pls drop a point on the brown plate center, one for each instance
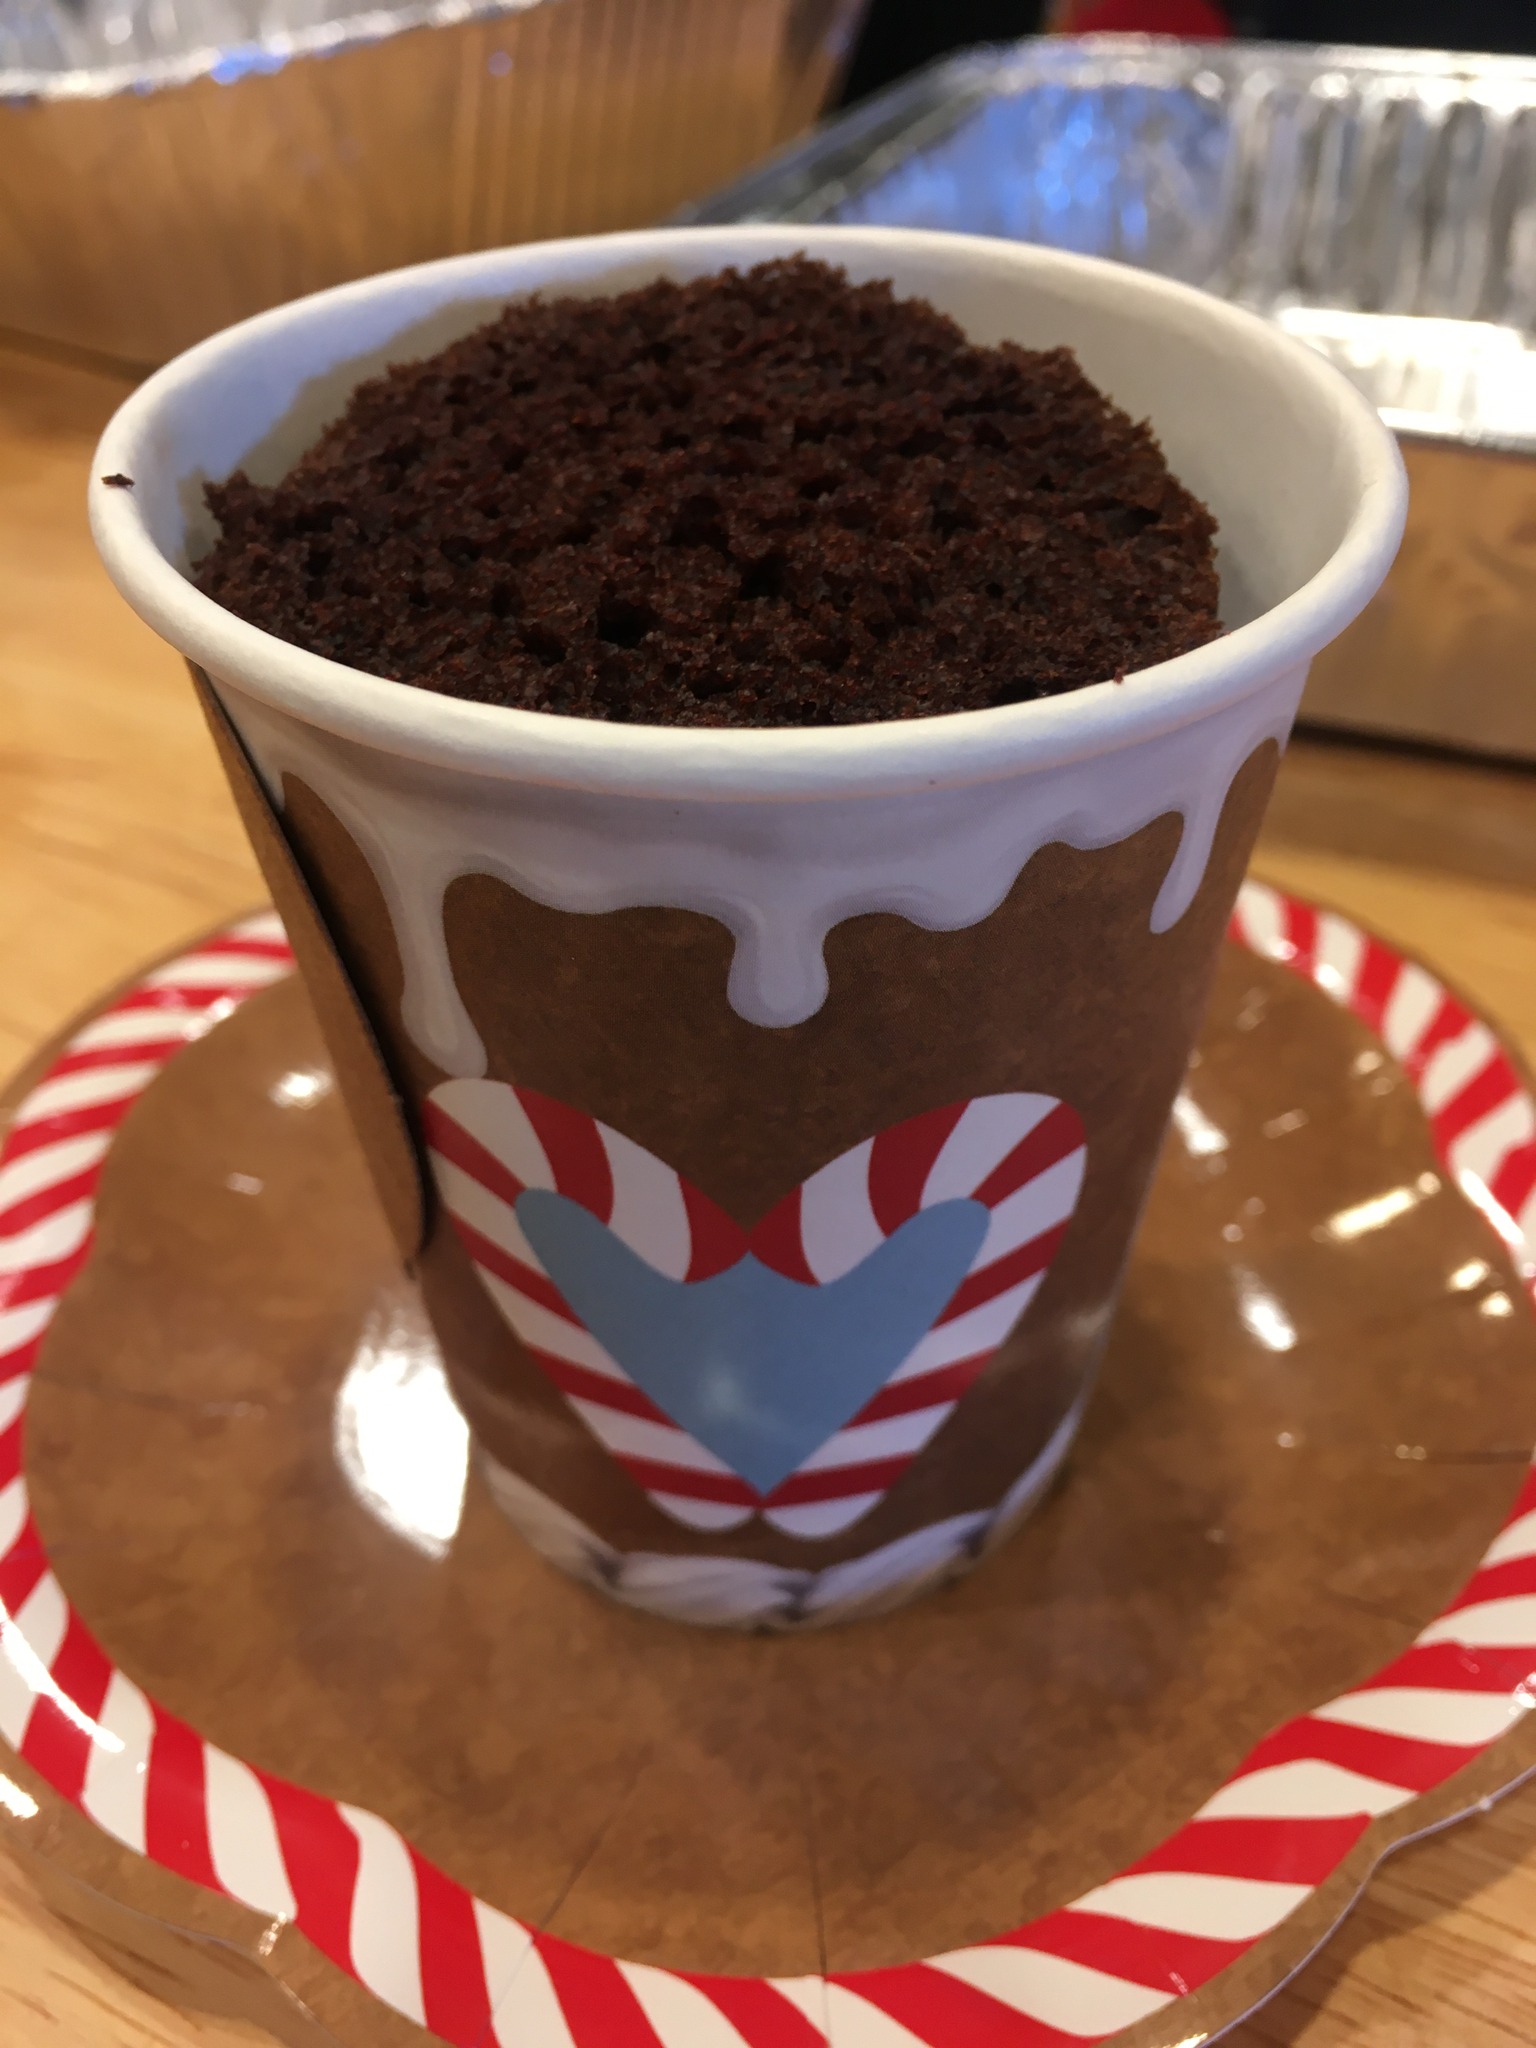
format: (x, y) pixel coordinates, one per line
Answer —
(1312, 1419)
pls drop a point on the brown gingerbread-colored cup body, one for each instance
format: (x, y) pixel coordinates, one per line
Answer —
(768, 1113)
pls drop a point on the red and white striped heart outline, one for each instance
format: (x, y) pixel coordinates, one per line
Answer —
(1275, 1831)
(1021, 1156)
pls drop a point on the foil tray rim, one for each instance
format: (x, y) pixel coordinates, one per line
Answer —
(851, 153)
(929, 104)
(259, 57)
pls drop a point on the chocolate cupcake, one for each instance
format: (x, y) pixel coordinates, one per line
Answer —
(762, 498)
(762, 1079)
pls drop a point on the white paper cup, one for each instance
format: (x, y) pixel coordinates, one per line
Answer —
(642, 1087)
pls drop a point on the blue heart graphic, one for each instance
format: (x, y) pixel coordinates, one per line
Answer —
(758, 1368)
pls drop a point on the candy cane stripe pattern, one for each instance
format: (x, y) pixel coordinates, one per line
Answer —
(475, 1977)
(1480, 1114)
(1015, 1161)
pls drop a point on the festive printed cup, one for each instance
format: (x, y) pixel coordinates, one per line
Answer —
(767, 1113)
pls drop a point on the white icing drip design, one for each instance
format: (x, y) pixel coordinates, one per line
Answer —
(778, 875)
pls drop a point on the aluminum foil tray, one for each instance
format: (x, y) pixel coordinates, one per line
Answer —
(1380, 204)
(168, 166)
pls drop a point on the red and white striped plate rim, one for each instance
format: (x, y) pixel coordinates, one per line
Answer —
(421, 1943)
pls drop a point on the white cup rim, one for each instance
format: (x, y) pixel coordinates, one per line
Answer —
(892, 757)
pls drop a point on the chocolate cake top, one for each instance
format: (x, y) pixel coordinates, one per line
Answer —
(771, 498)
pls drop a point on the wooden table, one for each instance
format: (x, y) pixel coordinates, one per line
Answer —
(117, 841)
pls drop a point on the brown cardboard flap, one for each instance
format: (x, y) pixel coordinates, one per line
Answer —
(367, 1086)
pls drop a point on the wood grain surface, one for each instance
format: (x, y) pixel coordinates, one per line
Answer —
(118, 840)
